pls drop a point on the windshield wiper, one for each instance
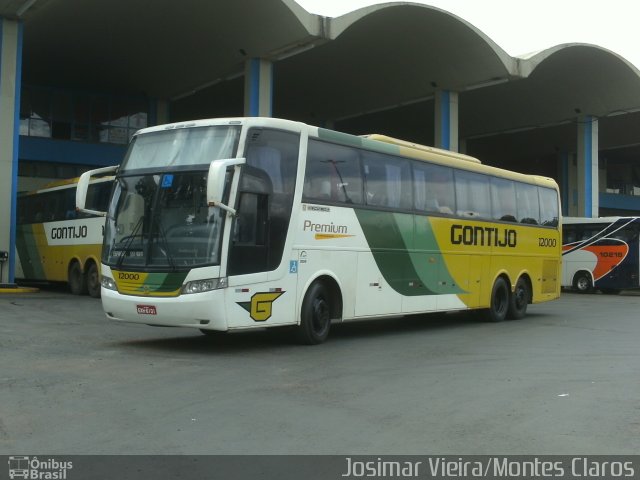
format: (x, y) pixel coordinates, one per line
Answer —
(130, 239)
(163, 236)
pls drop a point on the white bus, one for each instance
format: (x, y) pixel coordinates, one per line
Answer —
(601, 254)
(241, 223)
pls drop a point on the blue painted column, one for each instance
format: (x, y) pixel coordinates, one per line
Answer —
(258, 88)
(10, 78)
(446, 120)
(587, 163)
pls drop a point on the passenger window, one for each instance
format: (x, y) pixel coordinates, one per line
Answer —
(527, 203)
(434, 190)
(387, 181)
(333, 174)
(503, 200)
(549, 210)
(472, 195)
(568, 235)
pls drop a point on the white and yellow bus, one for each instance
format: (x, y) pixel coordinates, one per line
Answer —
(54, 243)
(241, 223)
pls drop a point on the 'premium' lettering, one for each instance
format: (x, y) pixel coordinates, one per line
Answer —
(324, 227)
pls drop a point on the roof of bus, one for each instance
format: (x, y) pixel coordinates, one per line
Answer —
(376, 142)
(572, 220)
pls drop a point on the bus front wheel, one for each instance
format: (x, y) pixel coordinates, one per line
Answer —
(499, 301)
(582, 282)
(77, 280)
(315, 316)
(93, 280)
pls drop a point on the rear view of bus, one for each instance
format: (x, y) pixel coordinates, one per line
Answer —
(601, 254)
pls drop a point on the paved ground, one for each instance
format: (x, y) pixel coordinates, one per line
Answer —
(564, 380)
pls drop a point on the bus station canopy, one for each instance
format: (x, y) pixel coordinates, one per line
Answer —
(377, 59)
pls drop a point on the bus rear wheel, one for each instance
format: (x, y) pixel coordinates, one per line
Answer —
(315, 315)
(499, 301)
(77, 280)
(519, 300)
(582, 282)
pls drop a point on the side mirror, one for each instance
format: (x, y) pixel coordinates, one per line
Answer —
(83, 187)
(216, 179)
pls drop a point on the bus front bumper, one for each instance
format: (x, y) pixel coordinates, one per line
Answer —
(198, 310)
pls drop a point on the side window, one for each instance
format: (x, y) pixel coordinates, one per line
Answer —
(54, 206)
(528, 207)
(70, 204)
(568, 234)
(433, 186)
(333, 173)
(503, 199)
(472, 195)
(548, 207)
(387, 181)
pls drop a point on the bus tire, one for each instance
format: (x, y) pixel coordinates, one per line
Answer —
(315, 315)
(77, 280)
(93, 280)
(519, 300)
(582, 282)
(499, 305)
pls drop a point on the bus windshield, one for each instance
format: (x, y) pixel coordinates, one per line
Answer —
(162, 220)
(181, 147)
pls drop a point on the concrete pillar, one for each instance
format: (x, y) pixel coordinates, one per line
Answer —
(564, 161)
(161, 112)
(10, 78)
(587, 166)
(446, 120)
(258, 88)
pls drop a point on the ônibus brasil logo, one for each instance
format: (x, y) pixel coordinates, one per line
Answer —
(37, 469)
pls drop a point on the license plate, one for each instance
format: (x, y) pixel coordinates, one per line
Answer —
(146, 310)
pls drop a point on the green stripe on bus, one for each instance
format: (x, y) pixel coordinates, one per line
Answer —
(165, 282)
(409, 259)
(28, 253)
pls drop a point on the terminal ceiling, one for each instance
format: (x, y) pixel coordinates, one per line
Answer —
(380, 59)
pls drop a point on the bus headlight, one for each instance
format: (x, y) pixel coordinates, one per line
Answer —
(108, 283)
(199, 286)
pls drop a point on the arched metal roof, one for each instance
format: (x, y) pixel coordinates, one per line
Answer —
(326, 69)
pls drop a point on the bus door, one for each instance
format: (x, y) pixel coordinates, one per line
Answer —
(259, 280)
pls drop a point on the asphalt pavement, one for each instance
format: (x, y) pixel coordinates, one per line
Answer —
(563, 380)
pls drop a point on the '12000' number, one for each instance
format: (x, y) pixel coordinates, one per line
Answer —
(546, 242)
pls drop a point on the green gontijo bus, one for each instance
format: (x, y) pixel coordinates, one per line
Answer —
(232, 224)
(54, 243)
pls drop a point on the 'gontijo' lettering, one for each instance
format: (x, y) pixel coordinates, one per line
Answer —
(483, 236)
(69, 232)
